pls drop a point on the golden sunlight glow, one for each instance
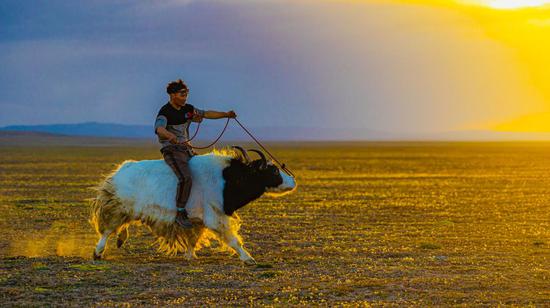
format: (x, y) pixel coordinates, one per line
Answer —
(522, 28)
(539, 122)
(514, 4)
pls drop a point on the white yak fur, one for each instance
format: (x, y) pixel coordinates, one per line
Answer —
(150, 184)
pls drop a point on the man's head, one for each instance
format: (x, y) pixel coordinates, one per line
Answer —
(178, 91)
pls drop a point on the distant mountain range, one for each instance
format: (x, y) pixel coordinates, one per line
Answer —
(87, 129)
(210, 131)
(207, 131)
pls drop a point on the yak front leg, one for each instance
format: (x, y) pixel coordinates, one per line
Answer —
(225, 229)
(234, 241)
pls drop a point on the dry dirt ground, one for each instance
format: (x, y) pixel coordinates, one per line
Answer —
(371, 224)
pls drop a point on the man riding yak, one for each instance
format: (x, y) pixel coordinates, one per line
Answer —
(172, 128)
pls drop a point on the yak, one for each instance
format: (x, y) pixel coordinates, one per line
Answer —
(144, 192)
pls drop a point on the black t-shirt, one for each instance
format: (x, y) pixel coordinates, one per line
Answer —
(177, 121)
(177, 117)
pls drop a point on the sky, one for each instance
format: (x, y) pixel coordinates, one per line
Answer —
(403, 67)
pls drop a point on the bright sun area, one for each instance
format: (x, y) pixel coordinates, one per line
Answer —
(523, 27)
(514, 4)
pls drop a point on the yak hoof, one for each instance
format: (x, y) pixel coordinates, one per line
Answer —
(250, 262)
(119, 243)
(190, 255)
(97, 257)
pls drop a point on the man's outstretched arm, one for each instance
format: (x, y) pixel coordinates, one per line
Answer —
(212, 114)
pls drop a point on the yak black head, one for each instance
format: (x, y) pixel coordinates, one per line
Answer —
(246, 180)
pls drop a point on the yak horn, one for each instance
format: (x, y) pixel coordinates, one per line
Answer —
(262, 156)
(243, 152)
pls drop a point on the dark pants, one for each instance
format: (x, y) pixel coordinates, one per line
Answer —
(177, 157)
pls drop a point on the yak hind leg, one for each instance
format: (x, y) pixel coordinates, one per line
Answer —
(193, 240)
(100, 247)
(122, 236)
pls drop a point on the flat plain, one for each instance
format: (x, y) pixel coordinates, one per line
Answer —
(386, 224)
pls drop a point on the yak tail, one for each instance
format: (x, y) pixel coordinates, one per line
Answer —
(103, 206)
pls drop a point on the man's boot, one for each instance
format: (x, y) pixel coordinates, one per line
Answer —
(183, 220)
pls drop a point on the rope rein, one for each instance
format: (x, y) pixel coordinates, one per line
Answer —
(283, 166)
(195, 134)
(215, 141)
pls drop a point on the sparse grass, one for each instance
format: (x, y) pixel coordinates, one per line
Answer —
(89, 267)
(41, 290)
(39, 266)
(383, 224)
(429, 246)
(539, 243)
(268, 274)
